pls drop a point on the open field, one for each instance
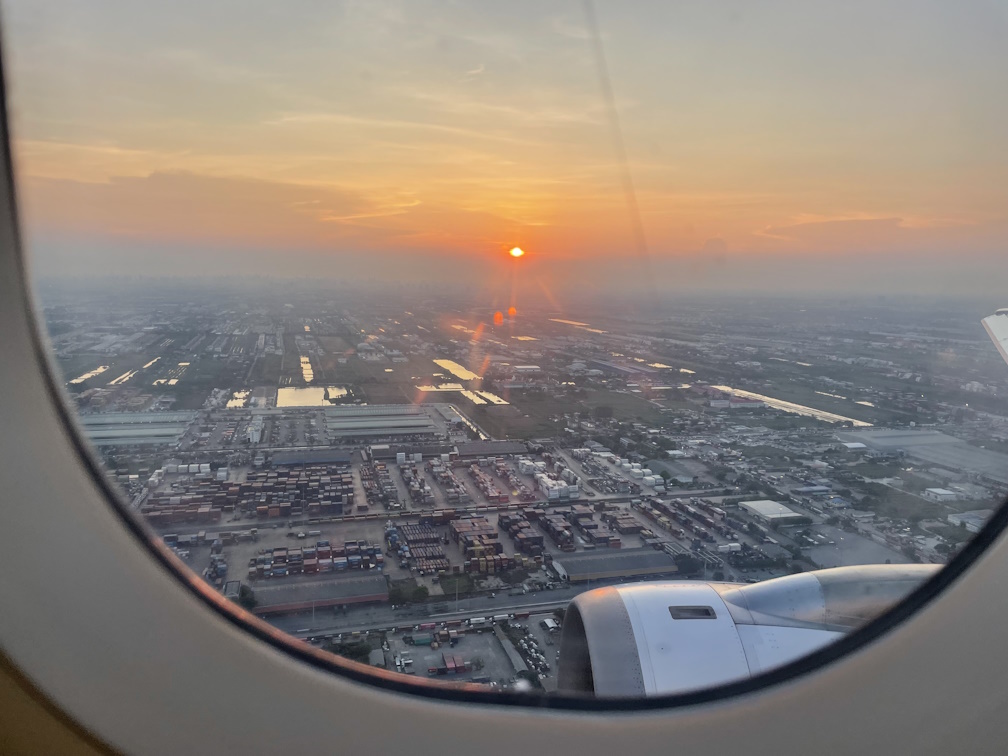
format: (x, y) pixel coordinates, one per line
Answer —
(624, 406)
(334, 344)
(509, 421)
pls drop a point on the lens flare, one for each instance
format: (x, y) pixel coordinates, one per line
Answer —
(498, 318)
(516, 252)
(512, 311)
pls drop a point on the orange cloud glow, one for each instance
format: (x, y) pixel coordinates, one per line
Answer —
(415, 130)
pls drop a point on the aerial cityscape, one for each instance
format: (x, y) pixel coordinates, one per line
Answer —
(388, 473)
(406, 326)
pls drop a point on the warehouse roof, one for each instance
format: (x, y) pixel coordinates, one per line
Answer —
(381, 420)
(311, 457)
(491, 448)
(614, 562)
(389, 451)
(769, 510)
(972, 521)
(129, 428)
(107, 418)
(936, 448)
(372, 410)
(363, 587)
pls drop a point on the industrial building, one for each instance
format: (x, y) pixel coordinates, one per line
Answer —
(940, 494)
(371, 588)
(633, 371)
(772, 512)
(382, 421)
(136, 428)
(935, 448)
(311, 457)
(468, 450)
(972, 521)
(605, 564)
(491, 449)
(255, 430)
(387, 452)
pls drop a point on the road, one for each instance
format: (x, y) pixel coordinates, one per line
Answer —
(383, 616)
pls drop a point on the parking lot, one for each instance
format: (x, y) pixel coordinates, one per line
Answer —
(548, 643)
(851, 548)
(476, 649)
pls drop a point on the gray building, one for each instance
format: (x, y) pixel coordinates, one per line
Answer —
(604, 564)
(363, 588)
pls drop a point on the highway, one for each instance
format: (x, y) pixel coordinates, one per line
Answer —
(380, 617)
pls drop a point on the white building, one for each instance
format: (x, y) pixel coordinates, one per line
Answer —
(255, 430)
(771, 512)
(940, 494)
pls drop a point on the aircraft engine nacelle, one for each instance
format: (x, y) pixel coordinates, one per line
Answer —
(649, 639)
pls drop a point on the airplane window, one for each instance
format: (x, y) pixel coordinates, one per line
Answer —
(494, 343)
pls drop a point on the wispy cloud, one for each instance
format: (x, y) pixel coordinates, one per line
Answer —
(358, 122)
(390, 123)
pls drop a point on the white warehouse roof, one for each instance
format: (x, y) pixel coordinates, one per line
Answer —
(770, 511)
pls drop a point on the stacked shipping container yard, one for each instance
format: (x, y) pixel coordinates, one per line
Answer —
(526, 539)
(455, 492)
(487, 486)
(311, 491)
(379, 489)
(323, 557)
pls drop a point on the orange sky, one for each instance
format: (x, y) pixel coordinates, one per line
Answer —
(428, 128)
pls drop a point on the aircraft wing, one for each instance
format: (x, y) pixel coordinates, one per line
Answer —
(997, 329)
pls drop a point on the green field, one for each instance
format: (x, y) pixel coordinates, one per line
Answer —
(875, 470)
(772, 454)
(626, 407)
(509, 422)
(266, 371)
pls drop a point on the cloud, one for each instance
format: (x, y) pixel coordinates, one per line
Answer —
(186, 207)
(894, 237)
(397, 124)
(846, 235)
